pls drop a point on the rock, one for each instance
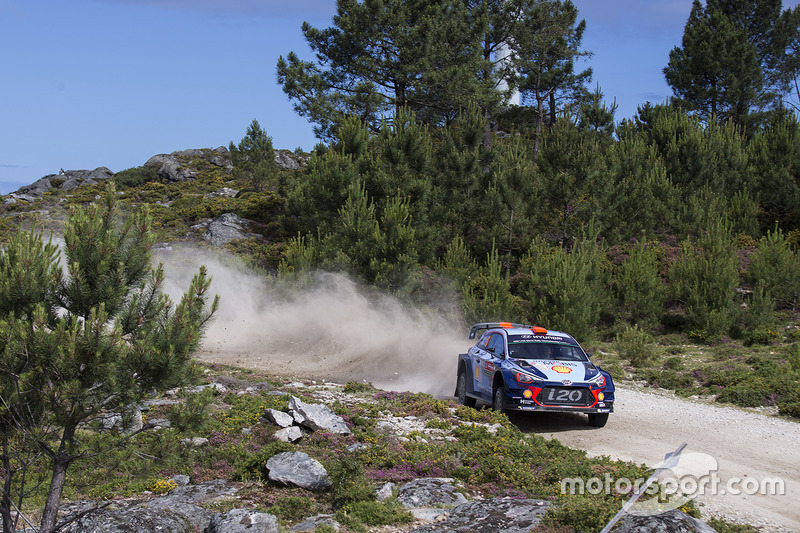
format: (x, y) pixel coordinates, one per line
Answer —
(75, 178)
(221, 157)
(298, 469)
(169, 168)
(279, 418)
(285, 161)
(181, 480)
(490, 516)
(385, 492)
(228, 227)
(158, 423)
(177, 512)
(317, 416)
(225, 192)
(312, 523)
(430, 492)
(195, 442)
(290, 434)
(68, 180)
(674, 521)
(243, 521)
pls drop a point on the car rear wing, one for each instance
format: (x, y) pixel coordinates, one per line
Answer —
(491, 325)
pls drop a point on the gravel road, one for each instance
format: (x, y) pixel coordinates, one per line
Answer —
(749, 446)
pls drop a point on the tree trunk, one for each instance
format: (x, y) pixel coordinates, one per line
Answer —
(5, 504)
(61, 461)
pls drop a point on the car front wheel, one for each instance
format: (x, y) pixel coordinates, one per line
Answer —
(598, 420)
(461, 391)
(499, 399)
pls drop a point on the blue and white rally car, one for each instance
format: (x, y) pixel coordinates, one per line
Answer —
(517, 367)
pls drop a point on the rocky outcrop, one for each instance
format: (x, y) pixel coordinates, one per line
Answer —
(243, 521)
(178, 512)
(490, 516)
(228, 227)
(170, 168)
(674, 521)
(66, 180)
(298, 469)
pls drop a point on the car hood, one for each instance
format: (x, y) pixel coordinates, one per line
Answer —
(574, 371)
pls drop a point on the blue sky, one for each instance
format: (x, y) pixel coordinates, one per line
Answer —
(89, 83)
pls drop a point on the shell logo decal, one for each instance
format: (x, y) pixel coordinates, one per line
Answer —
(561, 369)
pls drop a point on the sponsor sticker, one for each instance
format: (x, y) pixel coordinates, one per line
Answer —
(561, 369)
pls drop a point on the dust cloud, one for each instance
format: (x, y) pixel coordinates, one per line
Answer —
(331, 330)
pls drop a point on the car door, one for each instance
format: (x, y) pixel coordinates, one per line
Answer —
(480, 356)
(494, 355)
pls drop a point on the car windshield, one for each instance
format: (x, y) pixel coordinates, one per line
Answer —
(546, 351)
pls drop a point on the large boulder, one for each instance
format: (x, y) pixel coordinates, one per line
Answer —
(170, 168)
(177, 512)
(228, 227)
(490, 516)
(243, 521)
(430, 492)
(673, 521)
(298, 469)
(317, 416)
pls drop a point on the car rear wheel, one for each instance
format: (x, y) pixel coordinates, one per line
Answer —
(598, 420)
(461, 391)
(499, 399)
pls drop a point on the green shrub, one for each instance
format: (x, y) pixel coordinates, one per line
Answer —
(358, 386)
(135, 177)
(764, 335)
(635, 345)
(723, 526)
(358, 514)
(192, 413)
(751, 393)
(674, 363)
(292, 508)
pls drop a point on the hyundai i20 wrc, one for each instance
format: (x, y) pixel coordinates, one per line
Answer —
(516, 367)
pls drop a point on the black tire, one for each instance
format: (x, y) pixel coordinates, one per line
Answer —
(598, 420)
(499, 399)
(461, 391)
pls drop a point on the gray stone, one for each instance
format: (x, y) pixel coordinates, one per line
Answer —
(312, 523)
(228, 227)
(195, 442)
(674, 521)
(298, 469)
(285, 161)
(317, 416)
(243, 521)
(385, 492)
(225, 192)
(169, 168)
(430, 492)
(181, 480)
(490, 516)
(279, 418)
(177, 512)
(290, 434)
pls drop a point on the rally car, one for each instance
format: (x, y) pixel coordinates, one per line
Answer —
(517, 367)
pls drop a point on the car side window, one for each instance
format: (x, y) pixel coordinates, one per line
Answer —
(496, 343)
(483, 341)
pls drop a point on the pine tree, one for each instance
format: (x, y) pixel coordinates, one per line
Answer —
(95, 338)
(254, 157)
(546, 38)
(733, 61)
(381, 56)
